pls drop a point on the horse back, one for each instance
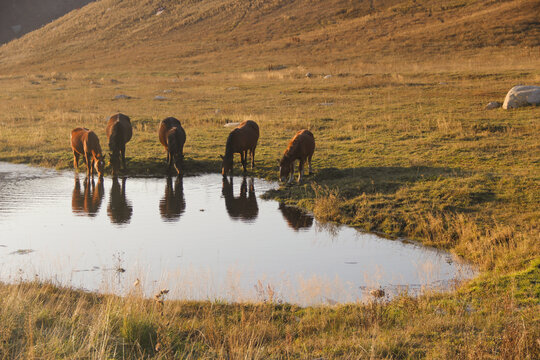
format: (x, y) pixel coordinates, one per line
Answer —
(245, 136)
(78, 138)
(166, 125)
(302, 145)
(122, 124)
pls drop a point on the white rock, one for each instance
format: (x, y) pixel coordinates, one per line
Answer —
(231, 124)
(233, 88)
(308, 75)
(327, 77)
(493, 105)
(168, 91)
(160, 98)
(522, 95)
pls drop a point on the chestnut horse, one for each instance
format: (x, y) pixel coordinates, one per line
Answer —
(86, 143)
(119, 132)
(241, 140)
(173, 137)
(301, 148)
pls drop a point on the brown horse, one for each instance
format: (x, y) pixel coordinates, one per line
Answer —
(119, 132)
(301, 148)
(241, 140)
(173, 137)
(86, 143)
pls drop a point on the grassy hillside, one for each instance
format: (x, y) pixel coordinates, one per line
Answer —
(404, 147)
(246, 35)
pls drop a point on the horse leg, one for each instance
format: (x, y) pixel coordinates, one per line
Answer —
(89, 162)
(301, 170)
(252, 158)
(309, 164)
(291, 176)
(170, 161)
(243, 156)
(124, 156)
(76, 160)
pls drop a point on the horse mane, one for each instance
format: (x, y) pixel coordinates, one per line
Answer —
(229, 144)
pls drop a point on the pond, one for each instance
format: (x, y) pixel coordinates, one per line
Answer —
(201, 237)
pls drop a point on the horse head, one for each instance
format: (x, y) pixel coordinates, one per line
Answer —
(285, 168)
(226, 165)
(99, 164)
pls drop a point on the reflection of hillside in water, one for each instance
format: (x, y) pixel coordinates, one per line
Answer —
(296, 218)
(87, 201)
(244, 206)
(119, 208)
(173, 203)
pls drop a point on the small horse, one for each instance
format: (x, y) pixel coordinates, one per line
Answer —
(86, 143)
(119, 132)
(301, 148)
(241, 140)
(243, 207)
(173, 137)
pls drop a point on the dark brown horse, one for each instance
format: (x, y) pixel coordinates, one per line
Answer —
(119, 208)
(173, 137)
(173, 204)
(241, 140)
(119, 132)
(301, 148)
(243, 207)
(86, 143)
(88, 201)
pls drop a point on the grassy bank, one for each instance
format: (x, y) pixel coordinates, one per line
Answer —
(404, 153)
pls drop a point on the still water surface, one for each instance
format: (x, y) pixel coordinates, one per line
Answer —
(201, 237)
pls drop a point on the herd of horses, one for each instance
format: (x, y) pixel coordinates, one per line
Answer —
(242, 139)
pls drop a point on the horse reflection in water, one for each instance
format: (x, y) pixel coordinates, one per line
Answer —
(296, 218)
(119, 209)
(243, 207)
(87, 201)
(173, 203)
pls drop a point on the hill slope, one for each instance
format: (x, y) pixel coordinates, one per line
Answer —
(250, 34)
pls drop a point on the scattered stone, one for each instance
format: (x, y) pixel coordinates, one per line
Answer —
(114, 81)
(326, 104)
(160, 98)
(493, 105)
(233, 88)
(34, 82)
(160, 11)
(522, 95)
(327, 76)
(168, 91)
(60, 88)
(308, 74)
(231, 124)
(443, 83)
(122, 96)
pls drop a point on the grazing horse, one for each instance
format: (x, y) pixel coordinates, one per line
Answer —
(173, 204)
(89, 201)
(86, 143)
(119, 208)
(243, 207)
(119, 132)
(241, 140)
(173, 137)
(301, 147)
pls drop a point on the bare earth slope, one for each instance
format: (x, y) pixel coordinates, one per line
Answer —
(251, 34)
